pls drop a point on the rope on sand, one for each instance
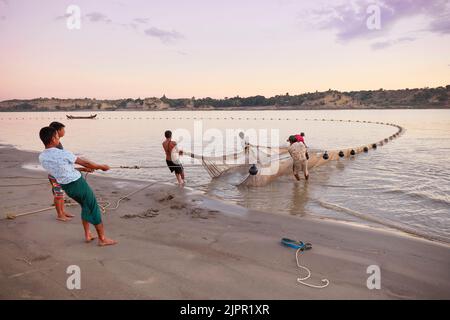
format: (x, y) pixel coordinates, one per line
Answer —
(108, 204)
(102, 204)
(11, 216)
(24, 177)
(22, 185)
(153, 167)
(325, 282)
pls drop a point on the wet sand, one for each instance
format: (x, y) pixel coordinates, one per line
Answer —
(176, 244)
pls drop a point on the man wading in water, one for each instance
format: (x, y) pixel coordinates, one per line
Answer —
(297, 150)
(172, 153)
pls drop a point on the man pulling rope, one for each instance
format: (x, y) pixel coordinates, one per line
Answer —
(60, 164)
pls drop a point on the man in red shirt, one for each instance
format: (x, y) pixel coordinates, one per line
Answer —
(301, 138)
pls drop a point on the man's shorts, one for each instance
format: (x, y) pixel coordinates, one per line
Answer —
(300, 165)
(56, 188)
(178, 168)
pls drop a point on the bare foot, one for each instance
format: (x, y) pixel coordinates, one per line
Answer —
(106, 242)
(63, 219)
(90, 237)
(68, 215)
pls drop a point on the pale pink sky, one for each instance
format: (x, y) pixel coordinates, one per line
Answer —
(219, 48)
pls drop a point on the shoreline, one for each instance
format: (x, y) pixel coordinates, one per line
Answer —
(377, 226)
(197, 247)
(398, 230)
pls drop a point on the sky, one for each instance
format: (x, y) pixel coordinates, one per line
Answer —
(219, 48)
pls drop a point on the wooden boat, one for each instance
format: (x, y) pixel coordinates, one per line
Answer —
(92, 116)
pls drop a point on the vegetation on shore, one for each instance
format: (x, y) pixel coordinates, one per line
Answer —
(331, 99)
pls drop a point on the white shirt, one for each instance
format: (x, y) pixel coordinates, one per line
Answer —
(60, 164)
(245, 142)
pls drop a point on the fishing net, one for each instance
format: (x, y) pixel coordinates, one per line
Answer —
(217, 166)
(273, 162)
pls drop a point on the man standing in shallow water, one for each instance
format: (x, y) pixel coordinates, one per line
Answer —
(297, 150)
(172, 153)
(60, 164)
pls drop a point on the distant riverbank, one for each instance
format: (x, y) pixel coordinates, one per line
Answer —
(419, 98)
(256, 108)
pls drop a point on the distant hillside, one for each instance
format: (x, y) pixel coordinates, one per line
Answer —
(331, 99)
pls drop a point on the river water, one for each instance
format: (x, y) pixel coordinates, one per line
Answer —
(404, 184)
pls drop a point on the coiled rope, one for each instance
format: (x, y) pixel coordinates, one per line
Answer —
(325, 282)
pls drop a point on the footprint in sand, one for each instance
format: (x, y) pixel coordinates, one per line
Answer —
(167, 198)
(41, 258)
(178, 206)
(197, 213)
(150, 213)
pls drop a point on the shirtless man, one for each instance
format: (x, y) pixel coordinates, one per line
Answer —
(172, 153)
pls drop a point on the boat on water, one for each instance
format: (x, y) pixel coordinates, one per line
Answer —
(92, 116)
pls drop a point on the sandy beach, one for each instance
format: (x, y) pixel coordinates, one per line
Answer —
(179, 244)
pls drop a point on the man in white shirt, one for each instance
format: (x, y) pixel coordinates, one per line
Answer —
(297, 150)
(245, 142)
(60, 164)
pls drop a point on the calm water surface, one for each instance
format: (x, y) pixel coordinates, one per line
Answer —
(404, 184)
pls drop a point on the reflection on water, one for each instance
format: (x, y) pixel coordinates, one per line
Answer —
(404, 184)
(299, 198)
